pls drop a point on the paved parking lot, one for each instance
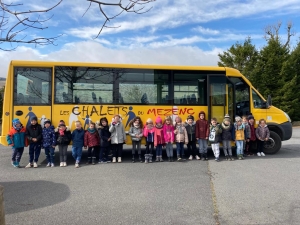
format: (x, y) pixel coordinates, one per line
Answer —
(252, 191)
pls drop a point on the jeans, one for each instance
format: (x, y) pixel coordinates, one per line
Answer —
(77, 153)
(34, 152)
(17, 154)
(216, 149)
(136, 145)
(117, 150)
(192, 149)
(202, 146)
(180, 149)
(63, 150)
(227, 147)
(260, 146)
(49, 151)
(169, 149)
(103, 152)
(149, 147)
(239, 147)
(159, 150)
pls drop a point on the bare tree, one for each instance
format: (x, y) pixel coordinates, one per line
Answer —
(13, 22)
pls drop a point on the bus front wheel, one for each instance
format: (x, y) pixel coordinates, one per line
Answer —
(273, 145)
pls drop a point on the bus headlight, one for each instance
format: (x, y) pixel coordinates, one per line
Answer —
(287, 116)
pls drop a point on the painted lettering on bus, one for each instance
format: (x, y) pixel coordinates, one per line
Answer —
(99, 110)
(169, 112)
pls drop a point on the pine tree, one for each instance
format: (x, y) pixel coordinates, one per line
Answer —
(242, 57)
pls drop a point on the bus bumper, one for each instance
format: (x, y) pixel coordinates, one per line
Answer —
(287, 130)
(3, 141)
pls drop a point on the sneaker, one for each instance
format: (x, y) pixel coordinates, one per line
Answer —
(61, 164)
(231, 158)
(119, 159)
(161, 159)
(12, 163)
(102, 162)
(48, 165)
(191, 157)
(52, 164)
(65, 164)
(29, 165)
(262, 154)
(178, 159)
(17, 164)
(35, 165)
(114, 159)
(197, 157)
(76, 165)
(218, 159)
(258, 154)
(226, 157)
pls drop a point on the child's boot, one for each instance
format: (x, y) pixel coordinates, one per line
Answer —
(133, 159)
(172, 160)
(169, 159)
(88, 161)
(197, 157)
(160, 159)
(93, 160)
(227, 158)
(150, 158)
(114, 159)
(202, 157)
(146, 158)
(140, 158)
(231, 158)
(119, 159)
(157, 159)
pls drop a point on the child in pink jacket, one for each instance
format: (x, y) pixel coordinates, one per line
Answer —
(159, 139)
(149, 134)
(168, 130)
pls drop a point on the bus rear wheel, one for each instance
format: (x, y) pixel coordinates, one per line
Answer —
(273, 145)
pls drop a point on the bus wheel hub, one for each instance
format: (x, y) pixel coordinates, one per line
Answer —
(269, 143)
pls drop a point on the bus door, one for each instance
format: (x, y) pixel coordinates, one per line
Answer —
(221, 97)
(32, 94)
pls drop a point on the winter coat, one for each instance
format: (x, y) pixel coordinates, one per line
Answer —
(240, 132)
(202, 128)
(91, 139)
(133, 131)
(118, 135)
(17, 139)
(262, 132)
(168, 131)
(63, 139)
(34, 131)
(228, 132)
(158, 136)
(218, 131)
(104, 136)
(247, 131)
(78, 138)
(181, 134)
(191, 131)
(252, 132)
(149, 134)
(49, 138)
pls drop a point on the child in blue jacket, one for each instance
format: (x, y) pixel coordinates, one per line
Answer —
(16, 139)
(77, 143)
(49, 142)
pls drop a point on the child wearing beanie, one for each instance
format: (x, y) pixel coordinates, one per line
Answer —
(239, 136)
(159, 139)
(16, 139)
(202, 132)
(49, 142)
(181, 138)
(227, 136)
(168, 130)
(149, 134)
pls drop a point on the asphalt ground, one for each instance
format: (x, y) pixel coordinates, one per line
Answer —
(257, 190)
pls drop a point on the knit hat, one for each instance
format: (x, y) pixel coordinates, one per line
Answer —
(237, 119)
(47, 121)
(15, 122)
(149, 120)
(190, 117)
(61, 123)
(202, 112)
(158, 120)
(33, 118)
(227, 118)
(250, 117)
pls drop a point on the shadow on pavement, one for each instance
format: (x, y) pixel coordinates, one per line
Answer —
(29, 195)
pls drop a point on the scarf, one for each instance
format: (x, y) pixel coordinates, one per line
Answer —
(158, 126)
(61, 132)
(91, 130)
(225, 127)
(241, 127)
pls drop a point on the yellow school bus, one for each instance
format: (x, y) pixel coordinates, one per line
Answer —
(72, 91)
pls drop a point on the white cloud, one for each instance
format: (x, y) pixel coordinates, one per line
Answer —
(205, 31)
(94, 52)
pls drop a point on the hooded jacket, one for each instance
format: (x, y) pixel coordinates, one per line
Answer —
(191, 131)
(104, 136)
(169, 133)
(78, 138)
(16, 138)
(262, 132)
(91, 138)
(218, 131)
(202, 127)
(118, 135)
(34, 131)
(149, 133)
(158, 136)
(133, 131)
(180, 133)
(63, 139)
(49, 137)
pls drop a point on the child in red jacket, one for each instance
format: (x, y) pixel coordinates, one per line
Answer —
(159, 140)
(202, 131)
(92, 141)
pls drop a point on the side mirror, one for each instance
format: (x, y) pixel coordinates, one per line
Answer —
(269, 101)
(264, 105)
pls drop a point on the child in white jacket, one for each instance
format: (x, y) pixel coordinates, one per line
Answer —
(181, 138)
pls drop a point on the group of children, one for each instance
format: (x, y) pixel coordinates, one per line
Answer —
(104, 137)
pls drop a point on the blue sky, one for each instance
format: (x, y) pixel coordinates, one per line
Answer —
(185, 32)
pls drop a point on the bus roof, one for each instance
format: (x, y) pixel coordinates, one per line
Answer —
(133, 66)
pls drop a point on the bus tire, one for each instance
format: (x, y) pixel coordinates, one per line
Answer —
(273, 145)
